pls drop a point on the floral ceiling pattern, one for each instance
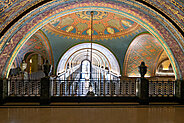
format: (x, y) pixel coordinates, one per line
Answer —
(105, 25)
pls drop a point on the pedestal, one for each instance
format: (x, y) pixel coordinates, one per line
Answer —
(45, 91)
(143, 91)
(3, 90)
(179, 90)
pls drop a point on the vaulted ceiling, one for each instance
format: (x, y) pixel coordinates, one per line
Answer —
(106, 25)
(122, 36)
(110, 29)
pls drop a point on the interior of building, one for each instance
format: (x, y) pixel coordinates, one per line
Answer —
(121, 56)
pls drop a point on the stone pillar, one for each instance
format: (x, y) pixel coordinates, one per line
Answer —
(45, 91)
(3, 90)
(143, 91)
(179, 90)
(143, 85)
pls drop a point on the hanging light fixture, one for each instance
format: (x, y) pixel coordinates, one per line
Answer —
(90, 89)
(91, 44)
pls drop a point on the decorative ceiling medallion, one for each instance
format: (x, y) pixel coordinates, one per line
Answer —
(106, 25)
(97, 15)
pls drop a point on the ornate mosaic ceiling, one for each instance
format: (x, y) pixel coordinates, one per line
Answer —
(34, 45)
(36, 16)
(143, 48)
(37, 44)
(105, 25)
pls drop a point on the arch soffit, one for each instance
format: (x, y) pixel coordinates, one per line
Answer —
(95, 52)
(43, 38)
(96, 59)
(46, 42)
(79, 56)
(78, 53)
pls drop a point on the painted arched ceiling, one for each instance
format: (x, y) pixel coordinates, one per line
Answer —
(105, 25)
(11, 9)
(162, 58)
(143, 48)
(36, 44)
(18, 29)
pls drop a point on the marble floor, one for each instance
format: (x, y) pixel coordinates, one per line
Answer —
(121, 114)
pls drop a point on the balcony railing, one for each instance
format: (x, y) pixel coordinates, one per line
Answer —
(101, 88)
(19, 87)
(161, 88)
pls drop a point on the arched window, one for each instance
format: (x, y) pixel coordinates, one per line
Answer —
(85, 69)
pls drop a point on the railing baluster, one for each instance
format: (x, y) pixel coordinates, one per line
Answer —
(134, 87)
(150, 87)
(72, 89)
(98, 87)
(36, 88)
(104, 87)
(16, 88)
(82, 88)
(111, 86)
(129, 88)
(124, 88)
(61, 88)
(95, 88)
(11, 87)
(57, 88)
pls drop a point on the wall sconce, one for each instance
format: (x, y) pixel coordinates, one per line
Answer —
(30, 61)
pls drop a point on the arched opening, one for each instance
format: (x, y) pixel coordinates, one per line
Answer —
(34, 52)
(75, 67)
(35, 66)
(78, 58)
(164, 71)
(126, 13)
(146, 48)
(85, 70)
(29, 67)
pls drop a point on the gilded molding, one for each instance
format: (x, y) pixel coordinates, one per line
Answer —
(169, 8)
(24, 5)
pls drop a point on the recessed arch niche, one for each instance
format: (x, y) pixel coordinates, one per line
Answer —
(101, 57)
(143, 48)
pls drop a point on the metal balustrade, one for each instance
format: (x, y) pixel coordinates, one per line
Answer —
(19, 87)
(100, 87)
(161, 88)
